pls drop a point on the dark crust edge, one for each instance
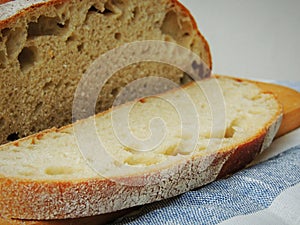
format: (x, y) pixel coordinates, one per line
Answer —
(240, 157)
(4, 1)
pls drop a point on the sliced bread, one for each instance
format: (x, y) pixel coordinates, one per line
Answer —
(47, 45)
(150, 149)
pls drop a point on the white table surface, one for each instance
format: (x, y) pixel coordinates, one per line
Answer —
(251, 39)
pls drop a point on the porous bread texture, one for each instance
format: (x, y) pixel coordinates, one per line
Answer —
(45, 176)
(46, 46)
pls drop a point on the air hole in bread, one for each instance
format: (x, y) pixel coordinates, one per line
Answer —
(67, 84)
(171, 151)
(13, 137)
(136, 12)
(107, 11)
(38, 107)
(143, 159)
(93, 9)
(60, 25)
(168, 38)
(59, 170)
(15, 42)
(3, 60)
(231, 130)
(48, 85)
(114, 92)
(2, 122)
(118, 36)
(33, 129)
(170, 24)
(185, 79)
(72, 38)
(177, 28)
(5, 32)
(26, 173)
(192, 45)
(47, 26)
(80, 47)
(253, 97)
(27, 58)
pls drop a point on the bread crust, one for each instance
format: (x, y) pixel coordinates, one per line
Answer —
(4, 1)
(240, 157)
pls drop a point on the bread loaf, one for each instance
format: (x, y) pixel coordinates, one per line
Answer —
(210, 129)
(47, 45)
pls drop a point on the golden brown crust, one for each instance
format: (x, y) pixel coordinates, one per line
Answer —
(240, 157)
(4, 1)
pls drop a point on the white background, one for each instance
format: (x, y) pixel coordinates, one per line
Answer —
(251, 38)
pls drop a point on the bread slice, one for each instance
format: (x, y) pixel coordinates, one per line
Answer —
(151, 149)
(47, 45)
